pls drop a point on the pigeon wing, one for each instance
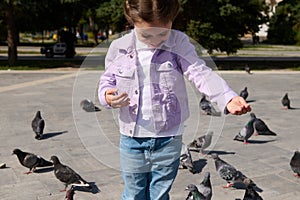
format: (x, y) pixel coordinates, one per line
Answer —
(35, 121)
(227, 172)
(40, 127)
(30, 160)
(261, 128)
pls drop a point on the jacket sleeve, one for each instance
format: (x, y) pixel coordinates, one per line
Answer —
(107, 80)
(204, 78)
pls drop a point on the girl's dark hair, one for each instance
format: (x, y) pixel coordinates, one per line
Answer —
(151, 10)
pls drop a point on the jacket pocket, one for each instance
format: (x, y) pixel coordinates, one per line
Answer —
(165, 67)
(125, 79)
(124, 72)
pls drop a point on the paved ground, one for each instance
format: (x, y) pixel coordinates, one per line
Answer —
(88, 142)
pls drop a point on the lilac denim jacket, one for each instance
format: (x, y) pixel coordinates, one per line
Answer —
(175, 58)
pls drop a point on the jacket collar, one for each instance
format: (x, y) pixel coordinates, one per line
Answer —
(128, 42)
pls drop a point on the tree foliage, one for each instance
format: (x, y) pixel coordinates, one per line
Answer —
(218, 24)
(285, 23)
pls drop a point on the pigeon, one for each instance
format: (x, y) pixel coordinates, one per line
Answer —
(286, 101)
(88, 106)
(250, 193)
(247, 131)
(38, 125)
(31, 160)
(194, 193)
(244, 93)
(295, 164)
(207, 107)
(247, 69)
(227, 172)
(205, 186)
(260, 127)
(186, 161)
(70, 194)
(67, 175)
(201, 142)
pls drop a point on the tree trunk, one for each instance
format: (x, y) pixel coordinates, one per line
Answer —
(94, 30)
(11, 36)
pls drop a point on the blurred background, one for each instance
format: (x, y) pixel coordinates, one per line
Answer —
(222, 27)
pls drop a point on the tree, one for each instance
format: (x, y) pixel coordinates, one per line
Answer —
(219, 24)
(285, 24)
(111, 15)
(8, 7)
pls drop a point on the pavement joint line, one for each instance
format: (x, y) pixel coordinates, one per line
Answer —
(38, 82)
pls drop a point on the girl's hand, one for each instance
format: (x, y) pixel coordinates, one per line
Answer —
(116, 100)
(238, 106)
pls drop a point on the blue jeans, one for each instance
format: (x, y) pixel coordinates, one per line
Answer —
(149, 166)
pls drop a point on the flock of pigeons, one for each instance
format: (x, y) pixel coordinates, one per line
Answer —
(62, 172)
(255, 126)
(226, 171)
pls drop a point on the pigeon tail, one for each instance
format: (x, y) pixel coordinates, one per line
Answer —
(82, 183)
(44, 163)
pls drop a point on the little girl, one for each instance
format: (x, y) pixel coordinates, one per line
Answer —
(144, 78)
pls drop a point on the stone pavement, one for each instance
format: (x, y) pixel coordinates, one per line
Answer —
(88, 142)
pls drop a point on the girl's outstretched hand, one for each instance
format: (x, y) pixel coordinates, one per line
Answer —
(116, 100)
(238, 106)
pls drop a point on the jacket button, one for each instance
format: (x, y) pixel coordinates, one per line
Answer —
(136, 92)
(130, 131)
(157, 107)
(134, 111)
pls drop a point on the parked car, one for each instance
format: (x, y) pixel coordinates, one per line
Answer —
(57, 49)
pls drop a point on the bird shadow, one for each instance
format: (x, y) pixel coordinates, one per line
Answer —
(292, 108)
(43, 170)
(92, 189)
(220, 152)
(250, 101)
(199, 165)
(96, 109)
(53, 134)
(260, 141)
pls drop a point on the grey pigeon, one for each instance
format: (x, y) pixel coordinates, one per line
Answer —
(244, 93)
(207, 107)
(261, 128)
(70, 194)
(247, 69)
(205, 186)
(295, 163)
(88, 106)
(31, 160)
(247, 131)
(186, 161)
(250, 193)
(194, 193)
(201, 143)
(67, 175)
(38, 125)
(227, 172)
(286, 101)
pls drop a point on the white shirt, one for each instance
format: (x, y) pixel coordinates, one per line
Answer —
(145, 122)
